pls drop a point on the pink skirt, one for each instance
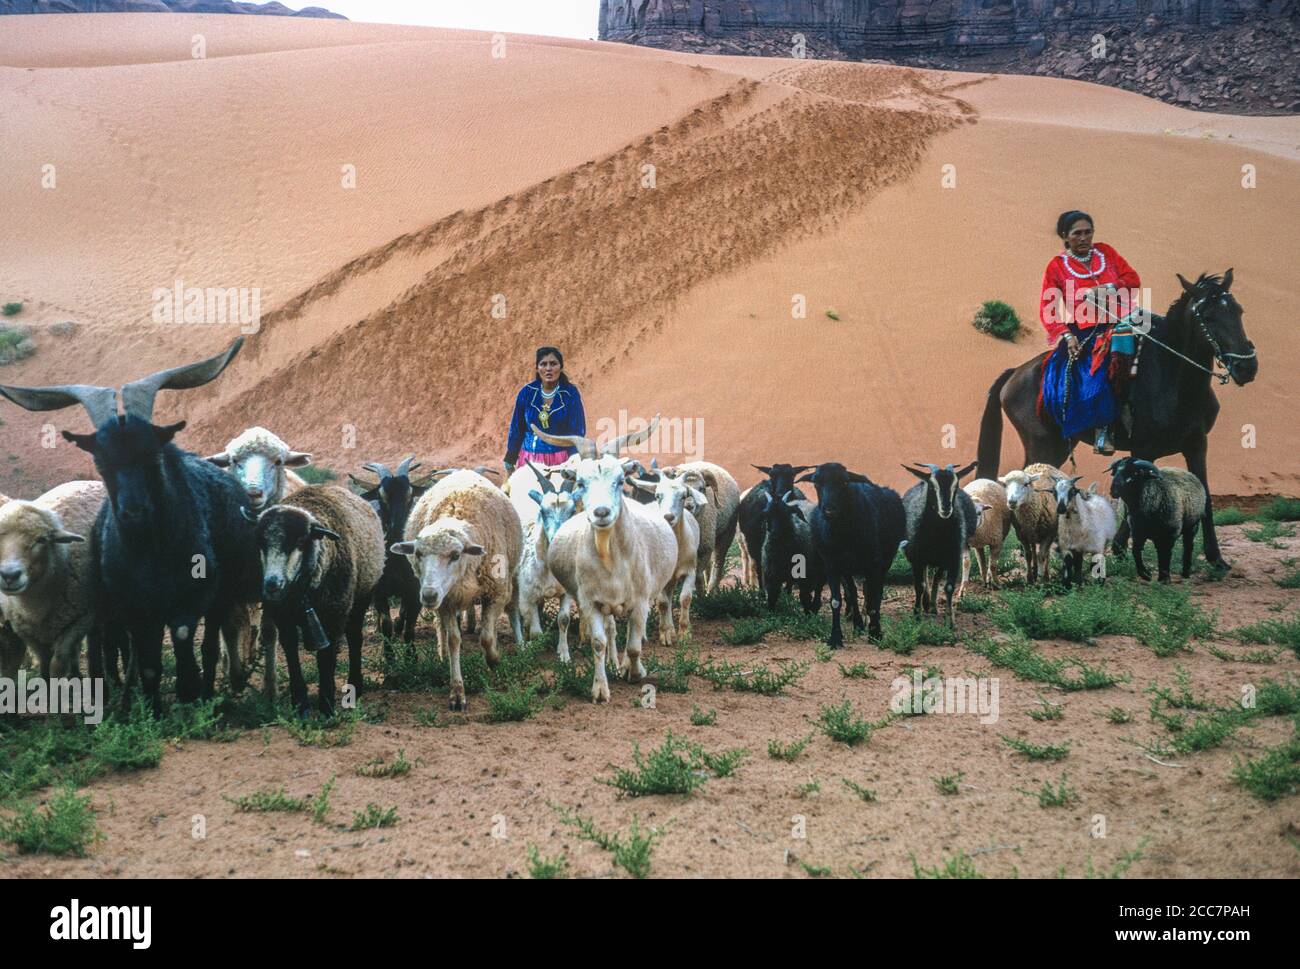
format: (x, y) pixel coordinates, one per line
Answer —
(544, 460)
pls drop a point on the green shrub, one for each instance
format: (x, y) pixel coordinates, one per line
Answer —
(12, 309)
(997, 319)
(65, 826)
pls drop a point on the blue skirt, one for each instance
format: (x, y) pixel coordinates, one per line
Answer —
(1091, 401)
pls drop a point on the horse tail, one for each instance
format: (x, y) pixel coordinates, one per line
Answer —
(990, 443)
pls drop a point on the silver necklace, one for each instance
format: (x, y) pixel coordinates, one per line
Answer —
(1092, 274)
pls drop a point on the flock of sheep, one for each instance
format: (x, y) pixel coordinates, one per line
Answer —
(169, 539)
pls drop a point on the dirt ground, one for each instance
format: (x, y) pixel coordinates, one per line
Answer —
(479, 793)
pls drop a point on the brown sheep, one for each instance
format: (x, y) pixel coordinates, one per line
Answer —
(464, 539)
(715, 542)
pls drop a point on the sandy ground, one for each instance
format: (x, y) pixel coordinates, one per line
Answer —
(472, 777)
(523, 177)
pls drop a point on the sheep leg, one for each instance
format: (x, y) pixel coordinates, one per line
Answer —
(631, 667)
(355, 633)
(965, 569)
(1030, 552)
(1045, 558)
(237, 630)
(836, 638)
(297, 685)
(562, 619)
(1164, 556)
(599, 683)
(267, 635)
(451, 630)
(327, 661)
(487, 634)
(684, 603)
(1139, 543)
(994, 556)
(1189, 540)
(1099, 566)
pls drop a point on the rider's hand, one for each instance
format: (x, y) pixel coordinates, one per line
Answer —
(1072, 344)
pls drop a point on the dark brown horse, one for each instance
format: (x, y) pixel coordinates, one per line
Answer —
(1172, 400)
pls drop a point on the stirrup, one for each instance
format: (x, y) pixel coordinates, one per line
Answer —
(1101, 444)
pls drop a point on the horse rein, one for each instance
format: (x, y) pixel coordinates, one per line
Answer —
(1195, 311)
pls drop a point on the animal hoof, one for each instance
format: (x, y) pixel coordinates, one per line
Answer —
(600, 693)
(457, 704)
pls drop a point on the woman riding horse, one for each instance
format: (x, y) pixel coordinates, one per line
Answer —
(1086, 287)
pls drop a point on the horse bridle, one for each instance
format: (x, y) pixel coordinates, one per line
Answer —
(1219, 354)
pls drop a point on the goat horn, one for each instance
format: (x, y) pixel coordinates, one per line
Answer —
(585, 445)
(380, 469)
(484, 470)
(616, 445)
(405, 466)
(100, 402)
(543, 479)
(138, 395)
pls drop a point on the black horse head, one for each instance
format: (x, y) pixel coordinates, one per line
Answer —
(1215, 318)
(128, 448)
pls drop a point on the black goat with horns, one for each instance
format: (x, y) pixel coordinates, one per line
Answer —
(171, 543)
(392, 498)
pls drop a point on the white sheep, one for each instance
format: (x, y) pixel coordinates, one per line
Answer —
(261, 463)
(464, 539)
(615, 558)
(986, 541)
(1087, 523)
(1033, 514)
(47, 573)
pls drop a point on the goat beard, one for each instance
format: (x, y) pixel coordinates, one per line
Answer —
(602, 537)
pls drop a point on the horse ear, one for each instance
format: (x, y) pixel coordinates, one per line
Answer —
(1227, 279)
(1186, 285)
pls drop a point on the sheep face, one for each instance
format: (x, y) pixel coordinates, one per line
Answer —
(1130, 474)
(442, 555)
(1020, 488)
(287, 539)
(32, 544)
(257, 459)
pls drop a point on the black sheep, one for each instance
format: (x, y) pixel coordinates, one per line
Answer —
(856, 529)
(941, 518)
(788, 555)
(172, 543)
(1162, 504)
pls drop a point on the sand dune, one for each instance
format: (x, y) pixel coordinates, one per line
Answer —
(524, 176)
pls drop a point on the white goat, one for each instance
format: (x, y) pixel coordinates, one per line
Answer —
(553, 508)
(1087, 523)
(672, 496)
(614, 558)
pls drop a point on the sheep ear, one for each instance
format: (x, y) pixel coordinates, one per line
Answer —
(473, 550)
(221, 460)
(320, 531)
(296, 459)
(1003, 480)
(402, 548)
(699, 496)
(65, 538)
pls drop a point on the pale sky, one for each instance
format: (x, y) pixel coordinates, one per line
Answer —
(554, 18)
